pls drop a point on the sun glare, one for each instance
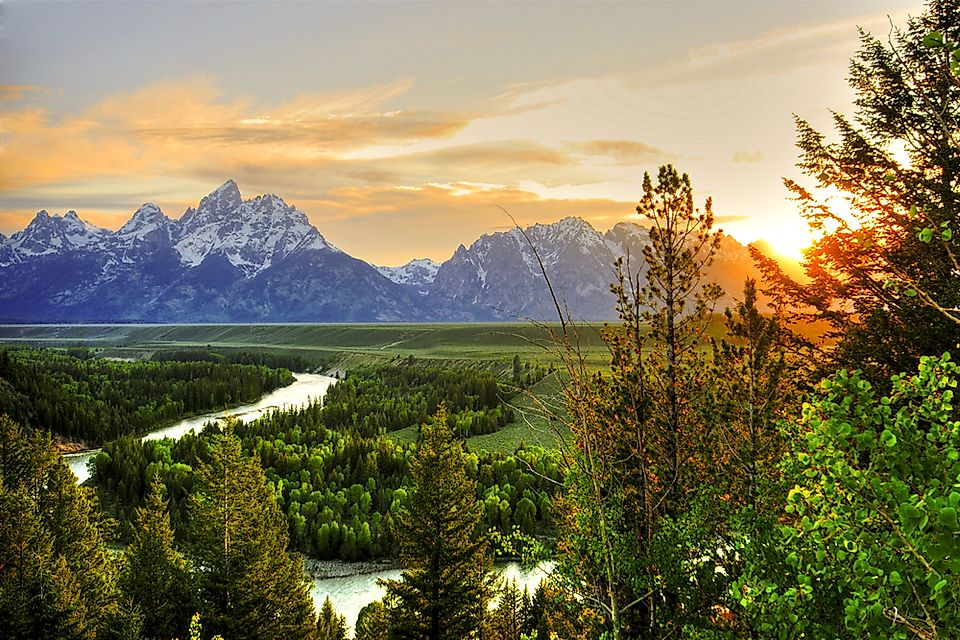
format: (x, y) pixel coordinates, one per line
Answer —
(789, 241)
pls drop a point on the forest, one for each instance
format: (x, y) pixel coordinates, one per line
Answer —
(339, 481)
(94, 400)
(762, 484)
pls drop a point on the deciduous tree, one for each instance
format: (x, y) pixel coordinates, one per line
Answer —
(870, 542)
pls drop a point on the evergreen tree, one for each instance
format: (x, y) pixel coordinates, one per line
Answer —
(755, 391)
(506, 621)
(373, 622)
(640, 518)
(154, 575)
(330, 626)
(445, 586)
(249, 587)
(56, 575)
(889, 242)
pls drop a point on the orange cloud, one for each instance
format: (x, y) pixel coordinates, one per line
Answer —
(390, 225)
(383, 184)
(173, 128)
(11, 92)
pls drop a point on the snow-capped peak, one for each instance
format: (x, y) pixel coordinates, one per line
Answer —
(148, 224)
(228, 193)
(147, 214)
(419, 273)
(51, 234)
(250, 234)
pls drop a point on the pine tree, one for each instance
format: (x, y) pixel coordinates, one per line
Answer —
(248, 586)
(883, 273)
(56, 576)
(373, 622)
(639, 512)
(755, 391)
(445, 586)
(330, 625)
(154, 574)
(506, 621)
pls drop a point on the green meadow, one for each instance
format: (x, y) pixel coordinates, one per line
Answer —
(349, 344)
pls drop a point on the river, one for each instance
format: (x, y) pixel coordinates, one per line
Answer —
(306, 387)
(350, 593)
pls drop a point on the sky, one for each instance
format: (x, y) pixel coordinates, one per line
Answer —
(403, 129)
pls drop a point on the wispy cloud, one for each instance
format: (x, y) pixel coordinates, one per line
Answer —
(793, 46)
(749, 156)
(176, 127)
(627, 152)
(11, 92)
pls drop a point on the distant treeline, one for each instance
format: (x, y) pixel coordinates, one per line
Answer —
(379, 400)
(79, 397)
(339, 481)
(274, 360)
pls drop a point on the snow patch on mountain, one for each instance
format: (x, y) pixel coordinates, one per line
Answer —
(418, 273)
(251, 234)
(47, 234)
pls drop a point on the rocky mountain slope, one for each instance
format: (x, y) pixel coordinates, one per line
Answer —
(255, 260)
(417, 274)
(227, 260)
(501, 275)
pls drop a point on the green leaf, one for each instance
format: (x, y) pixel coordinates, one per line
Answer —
(895, 578)
(925, 235)
(946, 234)
(933, 40)
(910, 516)
(948, 518)
(910, 293)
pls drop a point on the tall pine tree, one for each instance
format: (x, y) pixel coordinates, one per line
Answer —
(640, 522)
(443, 591)
(154, 575)
(57, 578)
(249, 587)
(330, 625)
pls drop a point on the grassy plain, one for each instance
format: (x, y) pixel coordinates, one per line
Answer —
(535, 424)
(353, 344)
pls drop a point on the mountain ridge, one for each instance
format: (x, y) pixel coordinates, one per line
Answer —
(231, 259)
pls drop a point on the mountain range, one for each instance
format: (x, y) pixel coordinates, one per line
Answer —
(256, 260)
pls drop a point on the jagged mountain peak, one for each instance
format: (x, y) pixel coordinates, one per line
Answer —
(251, 234)
(48, 233)
(146, 214)
(419, 274)
(228, 193)
(218, 206)
(147, 225)
(571, 229)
